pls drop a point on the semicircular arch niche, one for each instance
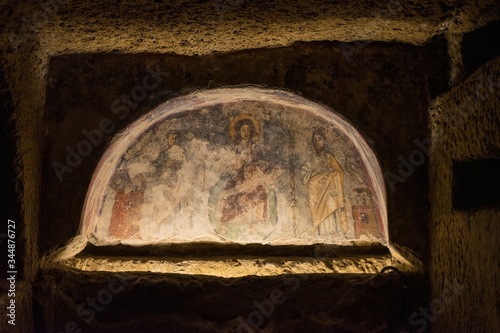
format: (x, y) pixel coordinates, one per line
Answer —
(238, 165)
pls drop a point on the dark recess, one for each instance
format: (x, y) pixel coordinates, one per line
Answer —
(476, 184)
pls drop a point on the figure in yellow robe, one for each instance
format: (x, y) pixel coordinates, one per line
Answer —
(325, 189)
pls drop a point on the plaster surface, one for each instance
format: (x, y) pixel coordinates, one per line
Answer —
(237, 165)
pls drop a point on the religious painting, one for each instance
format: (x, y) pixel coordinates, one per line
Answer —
(364, 213)
(237, 165)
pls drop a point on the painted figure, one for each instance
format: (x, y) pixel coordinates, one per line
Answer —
(324, 178)
(244, 131)
(171, 184)
(246, 195)
(245, 200)
(168, 193)
(129, 197)
(352, 166)
(363, 213)
(243, 171)
(247, 203)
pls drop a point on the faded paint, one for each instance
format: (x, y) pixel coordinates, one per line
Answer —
(237, 165)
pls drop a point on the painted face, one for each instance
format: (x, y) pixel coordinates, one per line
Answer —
(245, 132)
(248, 172)
(171, 139)
(318, 142)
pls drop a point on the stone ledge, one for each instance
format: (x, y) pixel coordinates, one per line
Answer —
(234, 260)
(232, 267)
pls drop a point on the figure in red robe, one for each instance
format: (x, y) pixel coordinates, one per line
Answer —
(126, 213)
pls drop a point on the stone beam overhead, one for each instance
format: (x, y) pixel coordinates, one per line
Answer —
(196, 28)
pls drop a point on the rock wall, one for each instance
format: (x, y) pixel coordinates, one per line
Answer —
(402, 55)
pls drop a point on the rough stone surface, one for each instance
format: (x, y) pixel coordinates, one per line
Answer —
(463, 244)
(173, 303)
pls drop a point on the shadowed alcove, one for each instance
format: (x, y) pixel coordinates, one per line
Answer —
(237, 166)
(165, 157)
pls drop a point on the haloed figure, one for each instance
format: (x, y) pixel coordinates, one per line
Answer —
(324, 178)
(245, 143)
(245, 133)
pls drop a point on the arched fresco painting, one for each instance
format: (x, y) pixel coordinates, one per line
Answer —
(239, 165)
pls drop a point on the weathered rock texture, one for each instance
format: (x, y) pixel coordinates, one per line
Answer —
(407, 54)
(465, 245)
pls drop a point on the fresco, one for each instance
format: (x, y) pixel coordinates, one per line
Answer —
(248, 171)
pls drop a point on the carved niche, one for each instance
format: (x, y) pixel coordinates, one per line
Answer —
(241, 165)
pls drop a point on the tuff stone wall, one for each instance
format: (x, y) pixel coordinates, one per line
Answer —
(465, 244)
(88, 85)
(32, 36)
(84, 87)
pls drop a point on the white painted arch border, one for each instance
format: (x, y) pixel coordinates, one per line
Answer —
(205, 99)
